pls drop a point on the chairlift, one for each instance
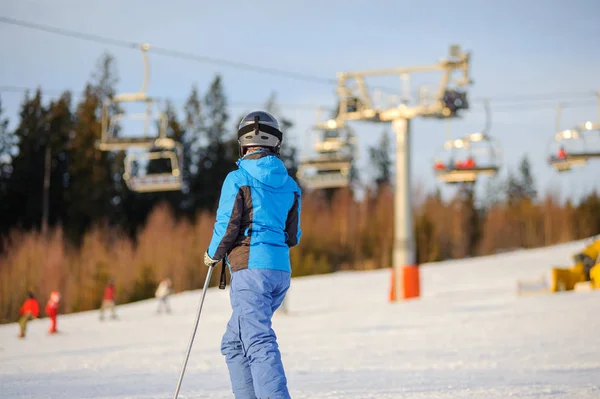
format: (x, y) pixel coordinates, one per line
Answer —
(327, 174)
(335, 139)
(156, 170)
(117, 133)
(463, 160)
(335, 153)
(574, 147)
(567, 150)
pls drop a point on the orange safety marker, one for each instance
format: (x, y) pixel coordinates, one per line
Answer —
(411, 283)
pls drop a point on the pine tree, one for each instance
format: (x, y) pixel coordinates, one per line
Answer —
(587, 216)
(380, 158)
(60, 123)
(469, 222)
(91, 188)
(527, 180)
(25, 185)
(217, 158)
(521, 187)
(95, 192)
(494, 192)
(215, 103)
(7, 150)
(175, 129)
(36, 148)
(194, 130)
(427, 247)
(288, 153)
(105, 77)
(7, 142)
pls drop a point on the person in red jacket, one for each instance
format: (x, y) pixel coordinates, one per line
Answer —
(29, 311)
(108, 301)
(52, 310)
(469, 163)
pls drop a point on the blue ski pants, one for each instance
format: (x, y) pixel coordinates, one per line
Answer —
(249, 343)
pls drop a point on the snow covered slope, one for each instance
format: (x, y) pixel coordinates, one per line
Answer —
(468, 336)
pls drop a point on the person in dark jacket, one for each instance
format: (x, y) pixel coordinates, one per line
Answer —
(258, 221)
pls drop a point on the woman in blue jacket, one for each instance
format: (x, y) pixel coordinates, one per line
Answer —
(258, 221)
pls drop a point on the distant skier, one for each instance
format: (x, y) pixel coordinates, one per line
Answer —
(52, 310)
(258, 220)
(108, 301)
(162, 294)
(29, 311)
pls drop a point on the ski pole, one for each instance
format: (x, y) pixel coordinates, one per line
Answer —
(189, 348)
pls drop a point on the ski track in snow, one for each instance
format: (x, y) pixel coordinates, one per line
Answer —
(468, 336)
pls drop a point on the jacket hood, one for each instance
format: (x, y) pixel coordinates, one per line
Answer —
(265, 167)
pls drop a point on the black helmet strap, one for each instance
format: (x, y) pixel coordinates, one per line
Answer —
(256, 127)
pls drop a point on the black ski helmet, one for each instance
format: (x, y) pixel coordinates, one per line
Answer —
(259, 129)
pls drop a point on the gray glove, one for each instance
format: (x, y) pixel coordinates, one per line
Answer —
(208, 261)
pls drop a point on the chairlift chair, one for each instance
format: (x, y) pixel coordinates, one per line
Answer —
(464, 160)
(143, 147)
(325, 174)
(331, 167)
(567, 150)
(145, 180)
(574, 147)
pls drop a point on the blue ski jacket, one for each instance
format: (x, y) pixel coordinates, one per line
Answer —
(258, 218)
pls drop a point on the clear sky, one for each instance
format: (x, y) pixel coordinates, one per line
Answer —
(519, 48)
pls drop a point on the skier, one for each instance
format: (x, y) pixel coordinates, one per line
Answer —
(108, 300)
(439, 165)
(258, 220)
(162, 294)
(52, 310)
(469, 163)
(29, 311)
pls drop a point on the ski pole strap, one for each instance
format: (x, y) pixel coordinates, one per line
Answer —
(223, 279)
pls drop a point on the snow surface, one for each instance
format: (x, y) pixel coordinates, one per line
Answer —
(468, 336)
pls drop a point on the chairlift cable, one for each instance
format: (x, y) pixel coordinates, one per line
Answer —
(166, 52)
(241, 65)
(581, 103)
(488, 116)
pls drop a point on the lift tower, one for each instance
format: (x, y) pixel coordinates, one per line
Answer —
(359, 103)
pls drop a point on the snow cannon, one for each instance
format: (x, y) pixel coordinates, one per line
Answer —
(584, 275)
